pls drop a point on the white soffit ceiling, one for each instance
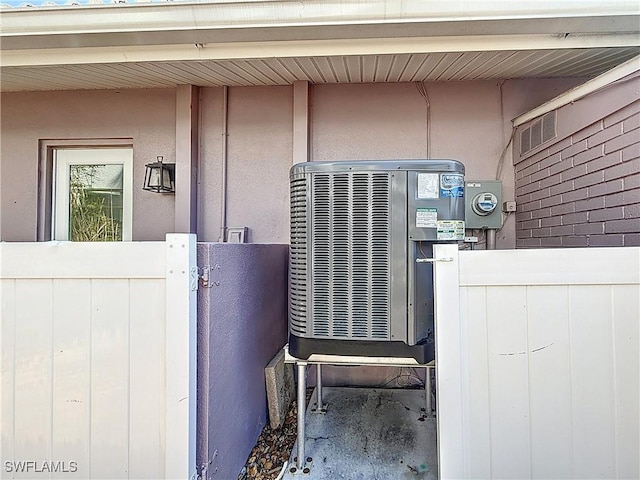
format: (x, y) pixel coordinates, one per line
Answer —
(344, 69)
(256, 42)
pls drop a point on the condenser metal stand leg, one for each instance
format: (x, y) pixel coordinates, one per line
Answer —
(427, 392)
(320, 405)
(302, 389)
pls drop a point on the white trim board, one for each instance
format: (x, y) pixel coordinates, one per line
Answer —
(562, 266)
(81, 260)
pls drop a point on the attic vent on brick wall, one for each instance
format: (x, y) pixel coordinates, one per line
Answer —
(540, 131)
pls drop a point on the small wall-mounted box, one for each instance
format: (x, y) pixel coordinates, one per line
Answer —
(237, 234)
(509, 207)
(482, 204)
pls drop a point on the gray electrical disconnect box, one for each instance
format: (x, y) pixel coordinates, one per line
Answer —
(483, 204)
(360, 235)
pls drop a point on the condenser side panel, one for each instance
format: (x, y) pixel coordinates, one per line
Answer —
(435, 213)
(399, 256)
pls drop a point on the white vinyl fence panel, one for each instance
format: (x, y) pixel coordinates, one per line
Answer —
(538, 363)
(96, 359)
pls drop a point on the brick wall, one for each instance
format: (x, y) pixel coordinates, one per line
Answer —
(582, 189)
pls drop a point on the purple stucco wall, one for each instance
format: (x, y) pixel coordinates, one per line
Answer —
(242, 323)
(145, 116)
(582, 188)
(470, 121)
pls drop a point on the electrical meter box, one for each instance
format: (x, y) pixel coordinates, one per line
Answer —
(483, 204)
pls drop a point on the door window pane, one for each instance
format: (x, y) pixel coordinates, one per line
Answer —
(92, 198)
(95, 203)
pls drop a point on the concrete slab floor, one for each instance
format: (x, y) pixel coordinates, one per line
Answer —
(369, 433)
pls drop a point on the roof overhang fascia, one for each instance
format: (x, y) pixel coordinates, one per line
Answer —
(212, 14)
(257, 29)
(308, 48)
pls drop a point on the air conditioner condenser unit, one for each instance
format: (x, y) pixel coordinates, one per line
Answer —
(357, 229)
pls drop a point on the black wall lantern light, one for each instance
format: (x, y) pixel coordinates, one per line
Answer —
(159, 177)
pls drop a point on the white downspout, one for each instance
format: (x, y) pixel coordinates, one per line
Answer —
(223, 188)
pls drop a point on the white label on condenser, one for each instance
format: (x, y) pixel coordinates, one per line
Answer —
(426, 217)
(428, 185)
(450, 230)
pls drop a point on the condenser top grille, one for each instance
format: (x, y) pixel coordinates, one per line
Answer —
(351, 255)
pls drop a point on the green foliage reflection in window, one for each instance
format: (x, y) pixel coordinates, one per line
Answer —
(95, 203)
